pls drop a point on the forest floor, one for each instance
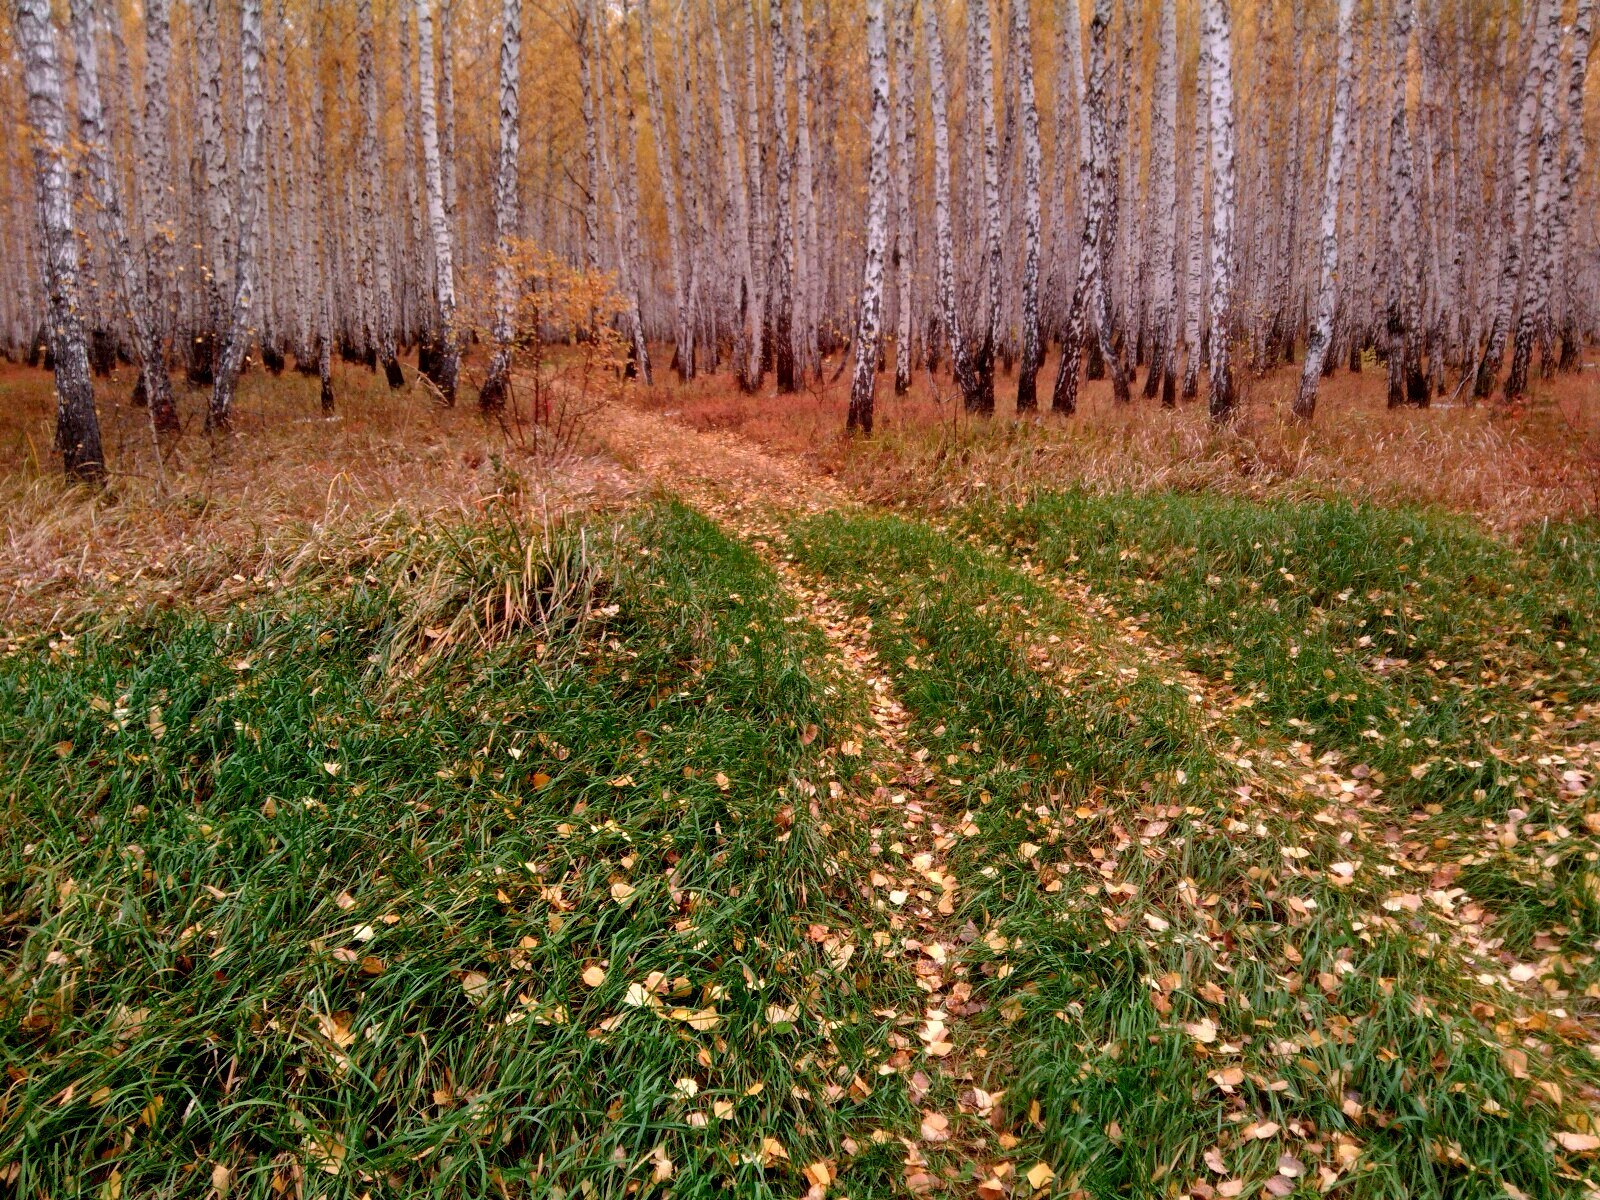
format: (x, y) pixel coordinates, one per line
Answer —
(997, 809)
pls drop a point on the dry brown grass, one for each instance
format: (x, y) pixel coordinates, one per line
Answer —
(289, 490)
(1507, 468)
(224, 517)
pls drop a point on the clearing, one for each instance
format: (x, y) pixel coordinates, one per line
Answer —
(708, 818)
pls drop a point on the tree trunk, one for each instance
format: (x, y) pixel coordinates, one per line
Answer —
(1195, 250)
(155, 175)
(755, 170)
(807, 290)
(1407, 384)
(669, 197)
(496, 385)
(868, 323)
(1164, 206)
(1321, 333)
(980, 398)
(747, 350)
(77, 423)
(1217, 42)
(905, 153)
(1547, 22)
(377, 249)
(943, 236)
(1565, 282)
(242, 320)
(1534, 301)
(780, 267)
(1032, 351)
(156, 385)
(447, 356)
(214, 168)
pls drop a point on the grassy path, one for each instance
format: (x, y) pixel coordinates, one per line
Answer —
(1232, 868)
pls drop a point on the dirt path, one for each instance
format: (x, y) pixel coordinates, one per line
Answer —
(912, 893)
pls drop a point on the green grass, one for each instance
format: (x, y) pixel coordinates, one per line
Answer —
(271, 906)
(1320, 997)
(474, 862)
(1448, 662)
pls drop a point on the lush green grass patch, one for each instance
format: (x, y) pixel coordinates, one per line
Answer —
(458, 876)
(1173, 966)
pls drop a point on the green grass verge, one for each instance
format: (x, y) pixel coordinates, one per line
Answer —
(1462, 670)
(1172, 966)
(433, 879)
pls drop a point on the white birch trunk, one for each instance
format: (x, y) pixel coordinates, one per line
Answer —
(868, 323)
(1032, 349)
(669, 195)
(1539, 269)
(244, 317)
(496, 384)
(1407, 384)
(1546, 16)
(807, 290)
(780, 268)
(214, 166)
(1164, 207)
(905, 134)
(155, 176)
(1320, 336)
(447, 361)
(379, 286)
(981, 399)
(103, 190)
(755, 169)
(943, 236)
(1217, 41)
(1572, 163)
(77, 423)
(1195, 247)
(747, 362)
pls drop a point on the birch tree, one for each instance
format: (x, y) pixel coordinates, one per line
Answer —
(244, 316)
(496, 384)
(1407, 384)
(747, 354)
(77, 422)
(154, 382)
(1032, 351)
(1217, 48)
(807, 276)
(447, 361)
(1546, 16)
(214, 173)
(1571, 167)
(1534, 299)
(905, 134)
(780, 270)
(868, 321)
(1320, 336)
(156, 200)
(980, 398)
(944, 237)
(1194, 257)
(1091, 295)
(380, 285)
(1164, 206)
(683, 332)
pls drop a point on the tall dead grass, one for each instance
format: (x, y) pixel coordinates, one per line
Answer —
(286, 493)
(1507, 468)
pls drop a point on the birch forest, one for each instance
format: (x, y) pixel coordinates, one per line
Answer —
(1021, 193)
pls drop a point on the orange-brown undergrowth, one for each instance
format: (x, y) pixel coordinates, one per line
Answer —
(1541, 460)
(286, 488)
